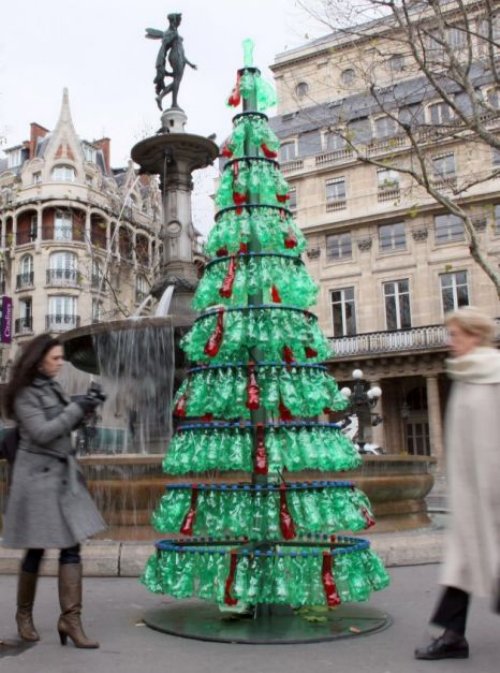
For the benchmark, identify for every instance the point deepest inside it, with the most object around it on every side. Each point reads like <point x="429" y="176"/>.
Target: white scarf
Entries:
<point x="482" y="365"/>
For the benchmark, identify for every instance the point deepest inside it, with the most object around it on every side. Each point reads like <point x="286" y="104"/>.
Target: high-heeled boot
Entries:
<point x="26" y="589"/>
<point x="70" y="598"/>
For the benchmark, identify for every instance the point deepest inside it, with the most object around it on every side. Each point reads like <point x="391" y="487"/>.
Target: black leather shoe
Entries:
<point x="444" y="648"/>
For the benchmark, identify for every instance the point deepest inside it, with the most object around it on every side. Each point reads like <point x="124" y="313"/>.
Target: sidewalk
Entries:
<point x="113" y="609"/>
<point x="107" y="558"/>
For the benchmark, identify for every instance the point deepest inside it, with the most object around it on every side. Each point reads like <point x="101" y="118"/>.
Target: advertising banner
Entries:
<point x="6" y="320"/>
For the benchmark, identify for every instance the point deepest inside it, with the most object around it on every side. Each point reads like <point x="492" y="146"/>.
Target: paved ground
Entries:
<point x="114" y="608"/>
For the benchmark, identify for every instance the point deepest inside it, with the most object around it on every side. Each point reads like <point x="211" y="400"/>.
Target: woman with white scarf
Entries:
<point x="472" y="442"/>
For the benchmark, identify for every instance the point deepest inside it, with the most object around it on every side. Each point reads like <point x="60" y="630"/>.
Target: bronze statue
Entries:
<point x="171" y="44"/>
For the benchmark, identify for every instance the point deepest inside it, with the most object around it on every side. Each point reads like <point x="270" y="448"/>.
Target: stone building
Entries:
<point x="79" y="240"/>
<point x="389" y="260"/>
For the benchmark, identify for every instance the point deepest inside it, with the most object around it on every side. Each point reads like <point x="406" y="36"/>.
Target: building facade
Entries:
<point x="79" y="241"/>
<point x="390" y="261"/>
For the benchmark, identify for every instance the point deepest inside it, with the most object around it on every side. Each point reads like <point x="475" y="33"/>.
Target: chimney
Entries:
<point x="104" y="145"/>
<point x="36" y="131"/>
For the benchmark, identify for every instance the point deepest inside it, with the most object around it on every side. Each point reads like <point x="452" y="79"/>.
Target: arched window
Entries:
<point x="348" y="76"/>
<point x="302" y="89"/>
<point x="97" y="275"/>
<point x="25" y="277"/>
<point x="141" y="288"/>
<point x="63" y="268"/>
<point x="63" y="173"/>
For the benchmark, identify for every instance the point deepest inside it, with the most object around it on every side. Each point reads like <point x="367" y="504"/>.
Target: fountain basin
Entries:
<point x="127" y="489"/>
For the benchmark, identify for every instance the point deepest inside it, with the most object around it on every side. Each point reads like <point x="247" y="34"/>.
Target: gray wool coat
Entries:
<point x="49" y="505"/>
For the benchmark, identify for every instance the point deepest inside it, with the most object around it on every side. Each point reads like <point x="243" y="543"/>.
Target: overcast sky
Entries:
<point x="97" y="49"/>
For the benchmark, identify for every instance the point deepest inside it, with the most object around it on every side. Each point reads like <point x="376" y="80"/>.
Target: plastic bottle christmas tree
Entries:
<point x="251" y="404"/>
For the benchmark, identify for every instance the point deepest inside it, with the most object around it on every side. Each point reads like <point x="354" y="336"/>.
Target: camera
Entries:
<point x="96" y="393"/>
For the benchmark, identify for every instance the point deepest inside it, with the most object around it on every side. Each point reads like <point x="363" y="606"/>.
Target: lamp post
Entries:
<point x="363" y="398"/>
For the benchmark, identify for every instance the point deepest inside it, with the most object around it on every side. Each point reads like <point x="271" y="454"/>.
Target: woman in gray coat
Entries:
<point x="49" y="505"/>
<point x="472" y="554"/>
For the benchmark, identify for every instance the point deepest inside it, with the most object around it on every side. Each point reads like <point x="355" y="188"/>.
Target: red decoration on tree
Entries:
<point x="290" y="240"/>
<point x="332" y="597"/>
<point x="214" y="342"/>
<point x="285" y="413"/>
<point x="270" y="154"/>
<point x="226" y="289"/>
<point x="207" y="418"/>
<point x="235" y="96"/>
<point x="243" y="248"/>
<point x="226" y="151"/>
<point x="327" y="410"/>
<point x="180" y="407"/>
<point x="221" y="252"/>
<point x="260" y="451"/>
<point x="286" y="522"/>
<point x="288" y="355"/>
<point x="253" y="391"/>
<point x="275" y="295"/>
<point x="239" y="199"/>
<point x="370" y="521"/>
<point x="282" y="198"/>
<point x="228" y="599"/>
<point x="188" y="523"/>
<point x="310" y="352"/>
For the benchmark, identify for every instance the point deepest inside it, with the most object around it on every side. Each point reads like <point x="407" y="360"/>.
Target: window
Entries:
<point x="448" y="228"/>
<point x="388" y="179"/>
<point x="397" y="62"/>
<point x="15" y="158"/>
<point x="302" y="89"/>
<point x="385" y="127"/>
<point x="97" y="275"/>
<point x="417" y="438"/>
<point x="63" y="173"/>
<point x="62" y="313"/>
<point x="454" y="290"/>
<point x="392" y="237"/>
<point x="89" y="153"/>
<point x="493" y="98"/>
<point x="334" y="142"/>
<point x="292" y="199"/>
<point x="25" y="276"/>
<point x="347" y="76"/>
<point x="25" y="322"/>
<point x="456" y="37"/>
<point x="444" y="167"/>
<point x="343" y="311"/>
<point x="495" y="157"/>
<point x="339" y="246"/>
<point x="440" y="113"/>
<point x="63" y="226"/>
<point x="397" y="304"/>
<point x="63" y="268"/>
<point x="141" y="289"/>
<point x="335" y="194"/>
<point x="37" y="178"/>
<point x="288" y="151"/>
<point x="96" y="310"/>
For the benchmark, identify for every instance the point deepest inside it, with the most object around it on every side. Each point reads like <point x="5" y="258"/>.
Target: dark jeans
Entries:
<point x="33" y="557"/>
<point x="451" y="611"/>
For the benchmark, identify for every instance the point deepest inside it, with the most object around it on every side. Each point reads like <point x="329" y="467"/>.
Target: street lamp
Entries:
<point x="363" y="398"/>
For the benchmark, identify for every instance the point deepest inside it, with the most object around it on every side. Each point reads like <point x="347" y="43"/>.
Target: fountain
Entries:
<point x="140" y="363"/>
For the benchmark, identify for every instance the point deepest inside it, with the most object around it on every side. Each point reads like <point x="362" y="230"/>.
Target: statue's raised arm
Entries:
<point x="173" y="49"/>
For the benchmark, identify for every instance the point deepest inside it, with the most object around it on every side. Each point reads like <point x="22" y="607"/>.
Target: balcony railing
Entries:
<point x="24" y="280"/>
<point x="388" y="193"/>
<point x="414" y="339"/>
<point x="62" y="277"/>
<point x="418" y="338"/>
<point x="23" y="325"/>
<point x="60" y="322"/>
<point x="336" y="204"/>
